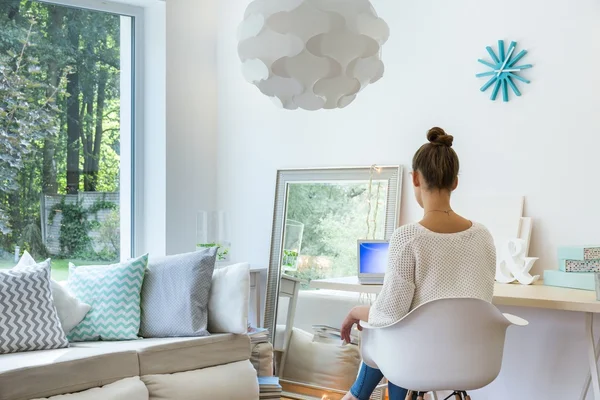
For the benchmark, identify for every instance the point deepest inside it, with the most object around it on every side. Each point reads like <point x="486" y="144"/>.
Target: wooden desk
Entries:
<point x="516" y="295"/>
<point x="536" y="296"/>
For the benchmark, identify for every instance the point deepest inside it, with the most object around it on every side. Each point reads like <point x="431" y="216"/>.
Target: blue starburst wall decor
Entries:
<point x="504" y="71"/>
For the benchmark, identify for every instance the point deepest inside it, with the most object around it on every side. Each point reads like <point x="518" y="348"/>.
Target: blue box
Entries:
<point x="579" y="253"/>
<point x="582" y="280"/>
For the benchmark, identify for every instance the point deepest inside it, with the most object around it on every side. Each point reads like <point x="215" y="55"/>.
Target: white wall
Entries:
<point x="191" y="118"/>
<point x="542" y="145"/>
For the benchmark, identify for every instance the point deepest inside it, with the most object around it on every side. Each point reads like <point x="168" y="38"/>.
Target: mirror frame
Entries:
<point x="393" y="174"/>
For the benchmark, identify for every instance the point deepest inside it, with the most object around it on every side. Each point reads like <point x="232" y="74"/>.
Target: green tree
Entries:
<point x="59" y="108"/>
<point x="335" y="216"/>
<point x="27" y="115"/>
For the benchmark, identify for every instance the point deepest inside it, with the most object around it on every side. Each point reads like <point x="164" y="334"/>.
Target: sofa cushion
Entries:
<point x="170" y="355"/>
<point x="262" y="358"/>
<point x="175" y="295"/>
<point x="235" y="381"/>
<point x="28" y="318"/>
<point x="125" y="389"/>
<point x="113" y="291"/>
<point x="24" y="376"/>
<point x="229" y="298"/>
<point x="70" y="310"/>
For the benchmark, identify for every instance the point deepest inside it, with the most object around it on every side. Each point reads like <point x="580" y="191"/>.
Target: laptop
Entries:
<point x="372" y="261"/>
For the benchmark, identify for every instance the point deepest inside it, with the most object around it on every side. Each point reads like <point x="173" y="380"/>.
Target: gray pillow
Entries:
<point x="28" y="318"/>
<point x="175" y="295"/>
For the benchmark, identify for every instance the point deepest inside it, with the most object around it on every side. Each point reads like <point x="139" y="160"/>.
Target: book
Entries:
<point x="258" y="335"/>
<point x="252" y="331"/>
<point x="579" y="253"/>
<point x="269" y="384"/>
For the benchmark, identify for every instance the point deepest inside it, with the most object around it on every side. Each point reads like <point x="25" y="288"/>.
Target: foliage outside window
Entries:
<point x="335" y="215"/>
<point x="59" y="133"/>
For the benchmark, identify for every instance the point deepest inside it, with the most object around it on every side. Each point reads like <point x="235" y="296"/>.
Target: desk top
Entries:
<point x="536" y="296"/>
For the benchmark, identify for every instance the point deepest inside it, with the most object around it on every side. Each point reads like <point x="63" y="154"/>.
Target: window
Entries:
<point x="66" y="134"/>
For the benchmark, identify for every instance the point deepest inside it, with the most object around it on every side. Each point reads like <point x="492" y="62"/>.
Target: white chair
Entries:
<point x="448" y="344"/>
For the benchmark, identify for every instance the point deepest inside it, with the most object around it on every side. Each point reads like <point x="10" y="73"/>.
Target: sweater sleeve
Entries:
<point x="398" y="289"/>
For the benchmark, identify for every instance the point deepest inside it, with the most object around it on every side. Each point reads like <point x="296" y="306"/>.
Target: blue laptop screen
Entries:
<point x="373" y="257"/>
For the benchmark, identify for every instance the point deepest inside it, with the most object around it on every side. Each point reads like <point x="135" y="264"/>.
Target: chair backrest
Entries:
<point x="448" y="344"/>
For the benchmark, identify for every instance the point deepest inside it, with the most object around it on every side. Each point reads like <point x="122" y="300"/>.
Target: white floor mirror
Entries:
<point x="319" y="217"/>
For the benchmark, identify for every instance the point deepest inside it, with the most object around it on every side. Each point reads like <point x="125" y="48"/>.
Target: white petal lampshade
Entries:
<point x="312" y="54"/>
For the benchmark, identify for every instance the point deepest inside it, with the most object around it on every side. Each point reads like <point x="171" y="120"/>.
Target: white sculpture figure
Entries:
<point x="513" y="265"/>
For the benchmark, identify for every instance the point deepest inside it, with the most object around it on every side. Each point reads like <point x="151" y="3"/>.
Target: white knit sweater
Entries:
<point x="425" y="266"/>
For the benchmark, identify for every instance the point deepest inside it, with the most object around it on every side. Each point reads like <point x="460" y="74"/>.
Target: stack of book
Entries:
<point x="269" y="387"/>
<point x="577" y="267"/>
<point x="258" y="335"/>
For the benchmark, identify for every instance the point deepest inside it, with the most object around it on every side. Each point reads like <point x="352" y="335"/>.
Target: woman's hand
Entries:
<point x="354" y="317"/>
<point x="347" y="325"/>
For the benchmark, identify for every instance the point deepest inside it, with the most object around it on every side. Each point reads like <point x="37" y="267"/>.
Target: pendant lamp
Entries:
<point x="311" y="54"/>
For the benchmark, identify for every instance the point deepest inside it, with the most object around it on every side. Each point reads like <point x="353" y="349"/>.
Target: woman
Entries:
<point x="442" y="256"/>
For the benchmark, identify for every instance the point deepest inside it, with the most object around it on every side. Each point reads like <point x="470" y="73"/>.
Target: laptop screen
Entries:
<point x="372" y="257"/>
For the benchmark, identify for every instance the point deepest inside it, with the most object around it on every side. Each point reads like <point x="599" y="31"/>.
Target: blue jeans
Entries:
<point x="368" y="379"/>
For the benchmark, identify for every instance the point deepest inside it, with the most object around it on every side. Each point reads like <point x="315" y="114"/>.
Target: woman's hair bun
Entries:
<point x="438" y="137"/>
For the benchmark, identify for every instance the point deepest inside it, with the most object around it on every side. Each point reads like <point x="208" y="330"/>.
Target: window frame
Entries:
<point x="132" y="195"/>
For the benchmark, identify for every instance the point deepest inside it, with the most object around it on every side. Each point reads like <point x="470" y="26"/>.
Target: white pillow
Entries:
<point x="229" y="299"/>
<point x="125" y="389"/>
<point x="25" y="261"/>
<point x="70" y="310"/>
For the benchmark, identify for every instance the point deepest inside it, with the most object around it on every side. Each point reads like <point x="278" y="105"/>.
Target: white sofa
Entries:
<point x="217" y="366"/>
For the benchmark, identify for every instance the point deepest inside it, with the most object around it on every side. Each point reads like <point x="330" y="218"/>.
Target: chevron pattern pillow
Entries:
<point x="113" y="291"/>
<point x="27" y="314"/>
<point x="70" y="310"/>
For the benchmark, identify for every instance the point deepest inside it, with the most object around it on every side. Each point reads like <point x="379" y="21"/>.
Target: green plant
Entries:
<point x="100" y="205"/>
<point x="76" y="226"/>
<point x="222" y="253"/>
<point x="289" y="258"/>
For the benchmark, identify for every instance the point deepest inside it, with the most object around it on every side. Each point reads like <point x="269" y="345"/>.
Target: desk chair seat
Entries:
<point x="448" y="344"/>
